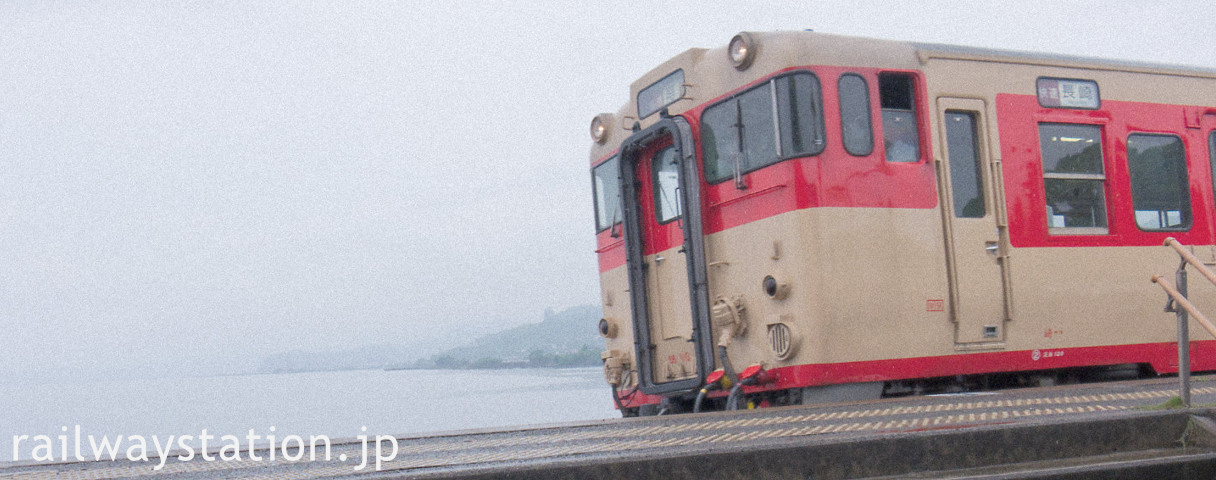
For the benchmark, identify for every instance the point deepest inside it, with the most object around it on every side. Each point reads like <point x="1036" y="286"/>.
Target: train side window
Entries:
<point x="856" y="128"/>
<point x="607" y="185"/>
<point x="1074" y="178"/>
<point x="665" y="176"/>
<point x="901" y="141"/>
<point x="966" y="184"/>
<point x="1160" y="189"/>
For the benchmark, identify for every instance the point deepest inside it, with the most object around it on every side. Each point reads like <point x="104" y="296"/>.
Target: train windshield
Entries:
<point x="739" y="135"/>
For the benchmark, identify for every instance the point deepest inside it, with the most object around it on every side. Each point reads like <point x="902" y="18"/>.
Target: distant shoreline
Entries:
<point x="504" y="366"/>
<point x="584" y="357"/>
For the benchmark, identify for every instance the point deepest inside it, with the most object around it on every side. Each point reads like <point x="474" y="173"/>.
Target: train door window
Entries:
<point x="1160" y="189"/>
<point x="665" y="173"/>
<point x="965" y="181"/>
<point x="1074" y="178"/>
<point x="901" y="141"/>
<point x="856" y="129"/>
<point x="607" y="185"/>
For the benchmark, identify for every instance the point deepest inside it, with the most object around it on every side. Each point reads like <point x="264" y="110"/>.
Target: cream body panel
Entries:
<point x="1094" y="296"/>
<point x="614" y="295"/>
<point x="670" y="316"/>
<point x="859" y="283"/>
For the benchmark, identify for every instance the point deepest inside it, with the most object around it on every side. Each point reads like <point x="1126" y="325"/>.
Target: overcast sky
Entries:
<point x="201" y="183"/>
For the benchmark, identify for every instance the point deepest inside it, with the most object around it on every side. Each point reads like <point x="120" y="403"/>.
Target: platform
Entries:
<point x="1054" y="432"/>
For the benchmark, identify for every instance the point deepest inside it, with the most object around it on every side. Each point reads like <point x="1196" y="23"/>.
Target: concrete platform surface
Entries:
<point x="1075" y="431"/>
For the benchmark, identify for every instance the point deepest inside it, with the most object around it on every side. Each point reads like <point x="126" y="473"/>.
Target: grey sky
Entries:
<point x="200" y="183"/>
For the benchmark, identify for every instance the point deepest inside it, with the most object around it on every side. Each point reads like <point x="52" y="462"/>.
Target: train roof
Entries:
<point x="935" y="50"/>
<point x="709" y="73"/>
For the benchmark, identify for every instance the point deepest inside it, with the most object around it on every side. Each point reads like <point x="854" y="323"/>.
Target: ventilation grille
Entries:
<point x="780" y="340"/>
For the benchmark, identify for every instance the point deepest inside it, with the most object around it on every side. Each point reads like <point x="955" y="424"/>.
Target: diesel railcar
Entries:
<point x="802" y="217"/>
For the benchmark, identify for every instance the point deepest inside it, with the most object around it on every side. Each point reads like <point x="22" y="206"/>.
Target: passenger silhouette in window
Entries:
<point x="899" y="136"/>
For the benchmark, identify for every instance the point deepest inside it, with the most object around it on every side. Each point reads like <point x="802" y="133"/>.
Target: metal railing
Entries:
<point x="1181" y="307"/>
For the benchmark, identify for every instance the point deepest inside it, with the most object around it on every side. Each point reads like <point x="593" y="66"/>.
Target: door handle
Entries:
<point x="991" y="247"/>
<point x="658" y="259"/>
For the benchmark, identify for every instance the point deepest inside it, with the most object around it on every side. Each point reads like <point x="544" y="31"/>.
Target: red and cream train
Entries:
<point x="801" y="217"/>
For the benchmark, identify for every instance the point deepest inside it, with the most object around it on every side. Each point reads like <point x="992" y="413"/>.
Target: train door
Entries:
<point x="663" y="253"/>
<point x="666" y="265"/>
<point x="969" y="183"/>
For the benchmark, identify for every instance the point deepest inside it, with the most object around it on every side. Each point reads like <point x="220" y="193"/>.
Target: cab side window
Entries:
<point x="856" y="130"/>
<point x="901" y="138"/>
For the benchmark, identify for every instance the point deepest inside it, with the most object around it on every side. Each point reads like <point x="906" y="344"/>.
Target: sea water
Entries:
<point x="336" y="404"/>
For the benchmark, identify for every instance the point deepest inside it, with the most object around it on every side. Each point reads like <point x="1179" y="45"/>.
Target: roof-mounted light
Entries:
<point x="599" y="127"/>
<point x="742" y="51"/>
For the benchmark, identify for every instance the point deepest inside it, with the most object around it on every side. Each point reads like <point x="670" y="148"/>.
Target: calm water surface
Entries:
<point x="337" y="404"/>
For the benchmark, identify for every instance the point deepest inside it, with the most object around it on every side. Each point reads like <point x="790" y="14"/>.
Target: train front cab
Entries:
<point x="940" y="220"/>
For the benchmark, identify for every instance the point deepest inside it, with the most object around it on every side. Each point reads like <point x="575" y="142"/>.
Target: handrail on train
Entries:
<point x="1179" y="304"/>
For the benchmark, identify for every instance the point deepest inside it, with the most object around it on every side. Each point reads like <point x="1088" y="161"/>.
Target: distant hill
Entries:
<point x="363" y="357"/>
<point x="563" y="339"/>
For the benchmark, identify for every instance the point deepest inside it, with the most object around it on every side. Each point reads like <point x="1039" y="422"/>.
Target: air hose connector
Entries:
<point x="713" y="381"/>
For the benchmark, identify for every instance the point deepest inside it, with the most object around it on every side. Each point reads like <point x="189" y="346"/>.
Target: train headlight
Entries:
<point x="742" y="50"/>
<point x="599" y="127"/>
<point x="607" y="328"/>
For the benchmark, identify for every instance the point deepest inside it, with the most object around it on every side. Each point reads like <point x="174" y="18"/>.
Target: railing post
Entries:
<point x="1184" y="343"/>
<point x="1182" y="307"/>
